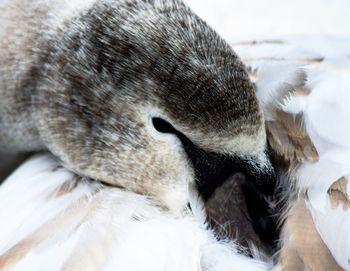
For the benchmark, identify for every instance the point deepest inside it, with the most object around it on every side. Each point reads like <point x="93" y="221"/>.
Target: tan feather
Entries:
<point x="338" y="193"/>
<point x="303" y="248"/>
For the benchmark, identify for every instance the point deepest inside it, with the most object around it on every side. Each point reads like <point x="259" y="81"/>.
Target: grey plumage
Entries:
<point x="85" y="82"/>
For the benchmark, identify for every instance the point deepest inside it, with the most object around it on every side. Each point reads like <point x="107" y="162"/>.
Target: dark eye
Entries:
<point x="163" y="126"/>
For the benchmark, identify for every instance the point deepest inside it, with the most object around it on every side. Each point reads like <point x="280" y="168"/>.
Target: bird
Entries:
<point x="54" y="219"/>
<point x="304" y="92"/>
<point x="142" y="95"/>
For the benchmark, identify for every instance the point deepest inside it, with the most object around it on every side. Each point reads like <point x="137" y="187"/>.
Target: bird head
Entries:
<point x="152" y="102"/>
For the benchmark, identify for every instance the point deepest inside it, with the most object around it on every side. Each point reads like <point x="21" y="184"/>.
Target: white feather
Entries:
<point x="326" y="114"/>
<point x="92" y="227"/>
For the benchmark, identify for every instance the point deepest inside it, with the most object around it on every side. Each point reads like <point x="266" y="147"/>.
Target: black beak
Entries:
<point x="261" y="175"/>
<point x="213" y="169"/>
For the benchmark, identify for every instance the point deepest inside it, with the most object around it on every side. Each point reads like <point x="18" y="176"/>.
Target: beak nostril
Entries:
<point x="163" y="126"/>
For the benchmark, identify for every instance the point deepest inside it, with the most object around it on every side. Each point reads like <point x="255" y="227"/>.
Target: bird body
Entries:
<point x="53" y="219"/>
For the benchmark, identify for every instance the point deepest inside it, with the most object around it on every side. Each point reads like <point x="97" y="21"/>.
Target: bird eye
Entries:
<point x="163" y="126"/>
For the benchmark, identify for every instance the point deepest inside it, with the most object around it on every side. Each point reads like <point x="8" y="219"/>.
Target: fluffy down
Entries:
<point x="58" y="221"/>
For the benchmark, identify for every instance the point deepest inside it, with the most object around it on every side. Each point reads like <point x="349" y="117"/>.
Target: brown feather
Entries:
<point x="289" y="138"/>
